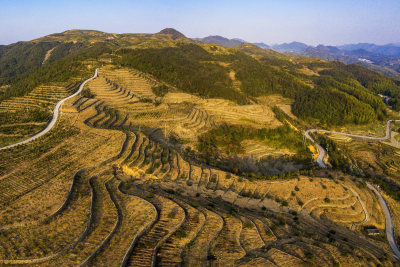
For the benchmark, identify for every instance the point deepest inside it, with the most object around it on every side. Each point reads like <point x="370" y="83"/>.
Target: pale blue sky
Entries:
<point x="270" y="21"/>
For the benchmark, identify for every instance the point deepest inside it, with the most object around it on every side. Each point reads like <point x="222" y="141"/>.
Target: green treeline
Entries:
<point x="186" y="67"/>
<point x="352" y="88"/>
<point x="57" y="70"/>
<point x="330" y="102"/>
<point x="258" y="79"/>
<point x="372" y="81"/>
<point x="21" y="57"/>
<point x="332" y="107"/>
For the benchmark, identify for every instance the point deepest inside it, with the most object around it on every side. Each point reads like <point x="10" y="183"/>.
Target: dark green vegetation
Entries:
<point x="161" y="90"/>
<point x="337" y="157"/>
<point x="22" y="67"/>
<point x="258" y="78"/>
<point x="87" y="93"/>
<point x="185" y="67"/>
<point x="332" y="107"/>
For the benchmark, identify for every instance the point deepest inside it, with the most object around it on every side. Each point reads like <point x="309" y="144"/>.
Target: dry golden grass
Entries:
<point x="314" y="151"/>
<point x="319" y="196"/>
<point x="227" y="248"/>
<point x="189" y="188"/>
<point x="257" y="262"/>
<point x="283" y="189"/>
<point x="52" y="236"/>
<point x="137" y="213"/>
<point x="172" y="250"/>
<point x="42" y="97"/>
<point x="281" y="258"/>
<point x="235" y="83"/>
<point x="370" y="200"/>
<point x="105" y="218"/>
<point x="340" y="138"/>
<point x="225" y="111"/>
<point x="308" y="72"/>
<point x="36" y="205"/>
<point x="265" y="233"/>
<point x="258" y="150"/>
<point x="175" y="113"/>
<point x="250" y="237"/>
<point x="198" y="251"/>
<point x="48" y="54"/>
<point x="171" y="217"/>
<point x="111" y="97"/>
<point x="132" y="80"/>
<point x="395" y="211"/>
<point x="221" y="50"/>
<point x="179" y="98"/>
<point x="348" y="259"/>
<point x="310" y="190"/>
<point x="56" y="169"/>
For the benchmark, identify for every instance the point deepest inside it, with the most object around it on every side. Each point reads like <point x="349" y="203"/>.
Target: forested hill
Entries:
<point x="324" y="92"/>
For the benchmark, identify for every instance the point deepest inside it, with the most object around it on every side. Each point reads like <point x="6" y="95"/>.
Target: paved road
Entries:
<point x="56" y="115"/>
<point x="322" y="152"/>
<point x="385" y="208"/>
<point x="389" y="221"/>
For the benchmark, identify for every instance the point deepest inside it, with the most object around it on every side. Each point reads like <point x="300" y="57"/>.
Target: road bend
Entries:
<point x="56" y="114"/>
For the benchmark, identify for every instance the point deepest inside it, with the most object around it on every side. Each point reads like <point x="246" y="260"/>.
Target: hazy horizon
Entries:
<point x="271" y="22"/>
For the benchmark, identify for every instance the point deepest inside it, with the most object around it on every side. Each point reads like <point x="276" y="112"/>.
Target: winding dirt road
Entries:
<point x="56" y="115"/>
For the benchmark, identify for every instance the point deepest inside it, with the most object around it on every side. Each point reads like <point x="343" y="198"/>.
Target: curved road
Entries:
<point x="385" y="208"/>
<point x="56" y="115"/>
<point x="322" y="152"/>
<point x="389" y="221"/>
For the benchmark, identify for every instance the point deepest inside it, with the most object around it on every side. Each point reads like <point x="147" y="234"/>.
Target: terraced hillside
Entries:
<point x="111" y="186"/>
<point x="27" y="115"/>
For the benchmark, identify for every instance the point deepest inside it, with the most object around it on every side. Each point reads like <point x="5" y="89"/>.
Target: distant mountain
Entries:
<point x="219" y="40"/>
<point x="330" y="53"/>
<point x="388" y="65"/>
<point x="239" y="40"/>
<point x="262" y="45"/>
<point x="294" y="47"/>
<point x="381" y="58"/>
<point x="387" y="50"/>
<point x="174" y="34"/>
